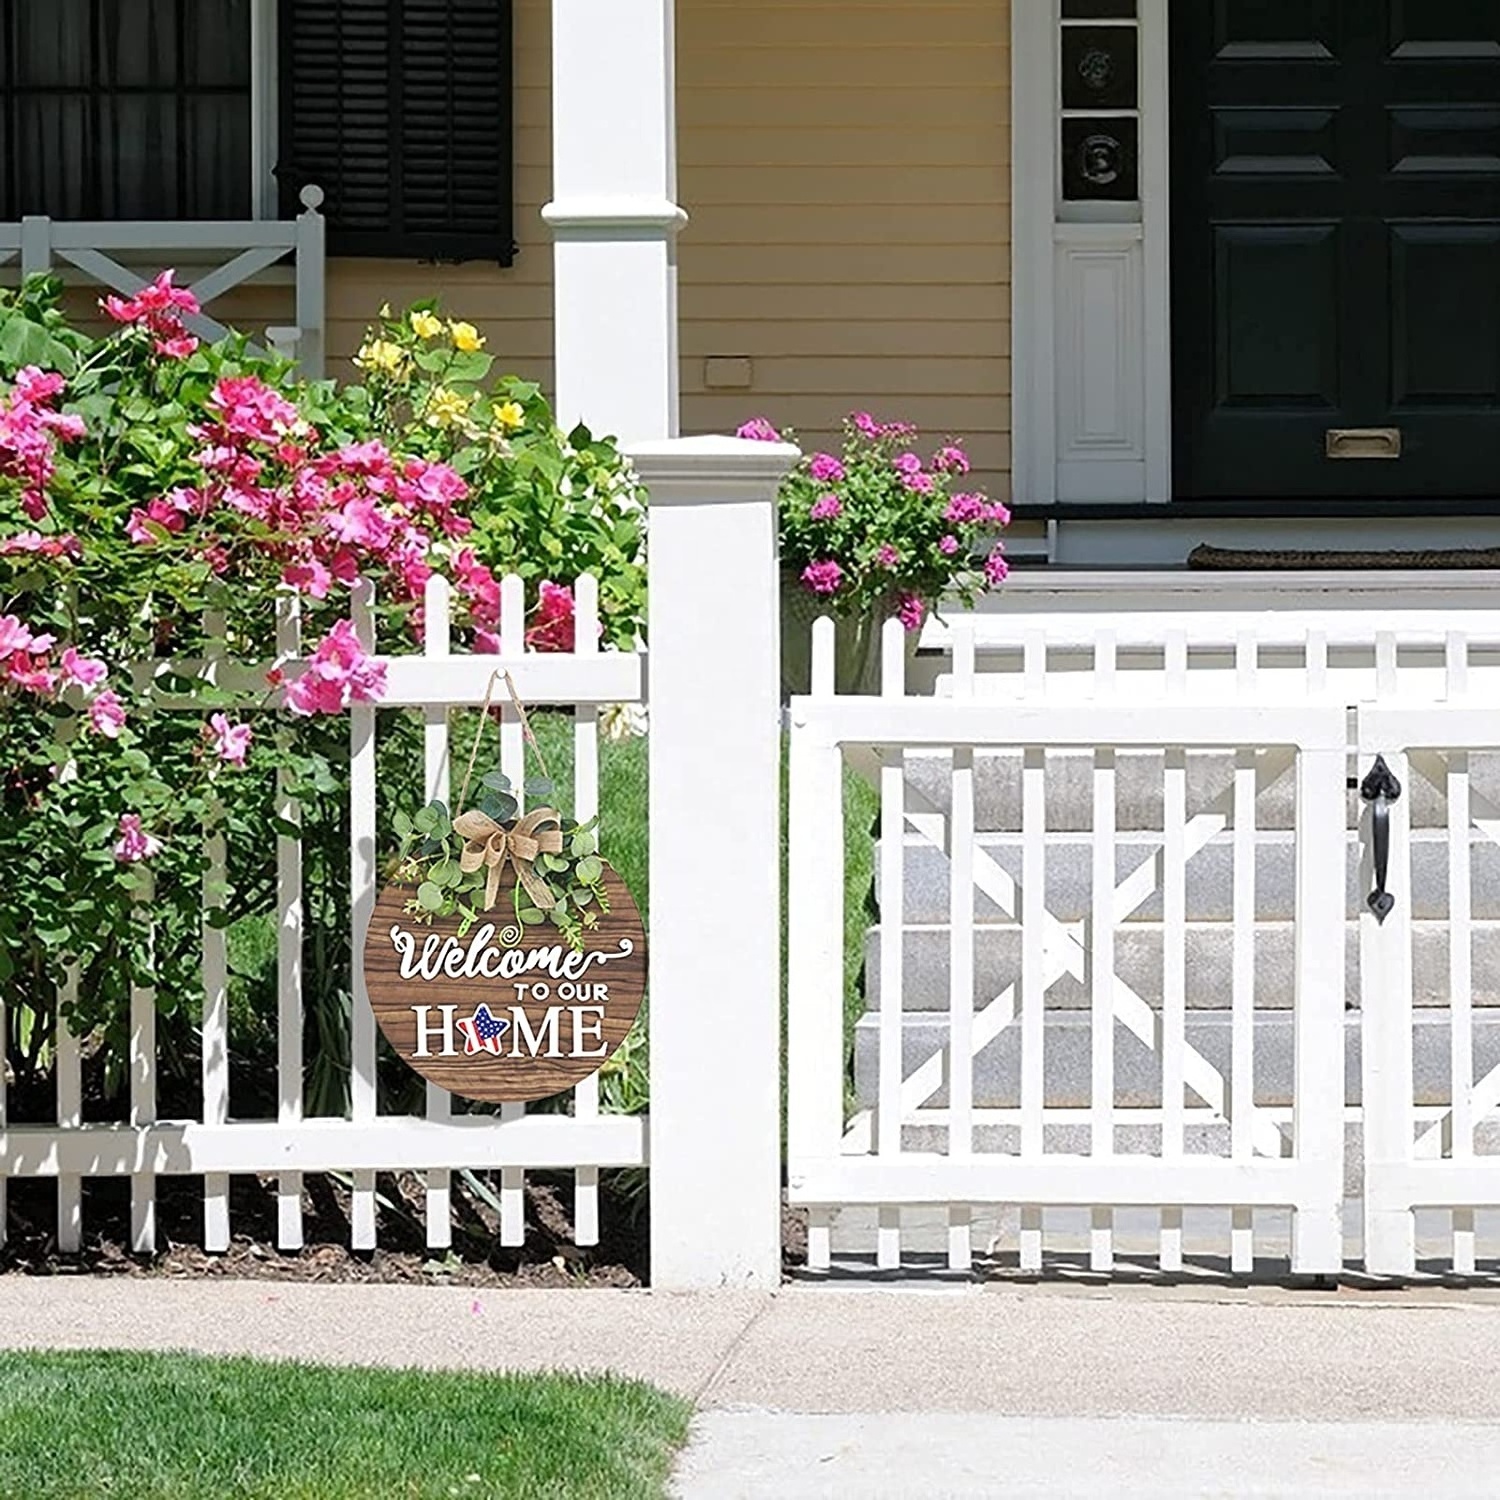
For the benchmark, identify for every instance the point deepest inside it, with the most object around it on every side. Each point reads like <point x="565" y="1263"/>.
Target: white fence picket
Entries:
<point x="214" y="1032"/>
<point x="69" y="1075"/>
<point x="513" y="764"/>
<point x="961" y="965"/>
<point x="289" y="912"/>
<point x="892" y="946"/>
<point x="363" y="1078"/>
<point x="437" y="638"/>
<point x="142" y="1076"/>
<point x="586" y="806"/>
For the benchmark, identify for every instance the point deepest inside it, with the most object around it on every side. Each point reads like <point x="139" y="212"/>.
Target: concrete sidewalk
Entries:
<point x="1149" y="1384"/>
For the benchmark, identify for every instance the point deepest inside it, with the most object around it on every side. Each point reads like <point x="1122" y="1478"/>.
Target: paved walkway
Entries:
<point x="821" y="1391"/>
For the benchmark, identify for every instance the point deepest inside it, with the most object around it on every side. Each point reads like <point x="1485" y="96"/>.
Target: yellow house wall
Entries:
<point x="846" y="169"/>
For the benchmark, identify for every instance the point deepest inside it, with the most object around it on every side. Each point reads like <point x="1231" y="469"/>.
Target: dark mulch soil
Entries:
<point x="549" y="1258"/>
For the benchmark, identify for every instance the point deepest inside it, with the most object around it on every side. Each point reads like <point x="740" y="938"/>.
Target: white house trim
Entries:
<point x="1091" y="284"/>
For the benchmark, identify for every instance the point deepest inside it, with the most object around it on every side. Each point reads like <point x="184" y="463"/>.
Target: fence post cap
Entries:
<point x="705" y="469"/>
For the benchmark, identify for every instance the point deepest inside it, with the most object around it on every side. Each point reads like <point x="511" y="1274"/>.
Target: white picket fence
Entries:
<point x="714" y="779"/>
<point x="583" y="1141"/>
<point x="1211" y="735"/>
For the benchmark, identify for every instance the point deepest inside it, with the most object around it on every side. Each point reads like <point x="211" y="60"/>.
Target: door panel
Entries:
<point x="1336" y="245"/>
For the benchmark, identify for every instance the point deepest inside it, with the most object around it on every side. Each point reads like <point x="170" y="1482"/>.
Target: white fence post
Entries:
<point x="715" y="694"/>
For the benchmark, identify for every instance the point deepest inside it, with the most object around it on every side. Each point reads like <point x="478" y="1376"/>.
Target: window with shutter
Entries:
<point x="125" y="109"/>
<point x="400" y="110"/>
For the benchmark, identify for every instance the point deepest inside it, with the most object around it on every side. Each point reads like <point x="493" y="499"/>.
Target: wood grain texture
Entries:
<point x="507" y="1078"/>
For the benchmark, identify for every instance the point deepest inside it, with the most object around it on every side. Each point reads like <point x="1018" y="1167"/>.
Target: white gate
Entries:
<point x="1428" y="1095"/>
<point x="1172" y="1119"/>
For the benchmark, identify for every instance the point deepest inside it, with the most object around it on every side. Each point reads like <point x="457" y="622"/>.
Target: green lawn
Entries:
<point x="75" y="1426"/>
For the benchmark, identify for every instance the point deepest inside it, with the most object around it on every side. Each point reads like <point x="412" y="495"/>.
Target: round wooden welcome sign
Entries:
<point x="499" y="1011"/>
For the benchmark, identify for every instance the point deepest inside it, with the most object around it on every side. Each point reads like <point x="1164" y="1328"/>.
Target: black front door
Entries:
<point x="1336" y="248"/>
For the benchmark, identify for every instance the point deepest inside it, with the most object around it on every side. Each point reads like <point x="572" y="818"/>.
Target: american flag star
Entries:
<point x="483" y="1033"/>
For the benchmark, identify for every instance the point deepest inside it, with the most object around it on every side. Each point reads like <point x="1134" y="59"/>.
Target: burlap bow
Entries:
<point x="489" y="844"/>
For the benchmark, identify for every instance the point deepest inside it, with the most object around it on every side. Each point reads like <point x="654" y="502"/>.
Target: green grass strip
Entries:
<point x="81" y="1425"/>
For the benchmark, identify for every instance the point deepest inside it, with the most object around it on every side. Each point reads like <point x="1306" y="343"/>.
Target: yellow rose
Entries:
<point x="510" y="415"/>
<point x="465" y="337"/>
<point x="425" y="325"/>
<point x="382" y="355"/>
<point x="445" y="407"/>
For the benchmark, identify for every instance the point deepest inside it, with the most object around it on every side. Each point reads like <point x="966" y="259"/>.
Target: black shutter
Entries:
<point x="400" y="110"/>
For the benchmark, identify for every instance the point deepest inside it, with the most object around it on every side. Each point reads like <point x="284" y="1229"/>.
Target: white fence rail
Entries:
<point x="218" y="1146"/>
<point x="112" y="254"/>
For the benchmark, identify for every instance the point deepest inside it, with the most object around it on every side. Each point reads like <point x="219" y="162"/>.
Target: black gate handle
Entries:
<point x="1382" y="789"/>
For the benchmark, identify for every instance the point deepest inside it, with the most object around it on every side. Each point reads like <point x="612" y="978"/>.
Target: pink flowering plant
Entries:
<point x="546" y="505"/>
<point x="161" y="498"/>
<point x="884" y="527"/>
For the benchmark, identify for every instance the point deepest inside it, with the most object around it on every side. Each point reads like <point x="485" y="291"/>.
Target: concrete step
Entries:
<point x="1139" y="780"/>
<point x="1210" y="876"/>
<point x="1067" y="1058"/>
<point x="1138" y="961"/>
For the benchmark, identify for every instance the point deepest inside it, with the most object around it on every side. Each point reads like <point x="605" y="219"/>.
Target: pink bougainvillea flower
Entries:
<point x="66" y="545"/>
<point x="167" y="512"/>
<point x="338" y="673"/>
<point x="363" y="523"/>
<point x="134" y="843"/>
<point x="948" y="546"/>
<point x="553" y="626"/>
<point x="29" y="673"/>
<point x="81" y="671"/>
<point x="231" y="742"/>
<point x="912" y="612"/>
<point x="823" y="577"/>
<point x="758" y="430"/>
<point x="158" y="305"/>
<point x="14" y="636"/>
<point x="907" y="463"/>
<point x="107" y="714"/>
<point x="825" y="468"/>
<point x="866" y="424"/>
<point x="827" y="508"/>
<point x="919" y="484"/>
<point x="886" y="556"/>
<point x="181" y="346"/>
<point x="998" y="514"/>
<point x="309" y="576"/>
<point x="951" y="460"/>
<point x="29" y="433"/>
<point x="964" y="510"/>
<point x="996" y="569"/>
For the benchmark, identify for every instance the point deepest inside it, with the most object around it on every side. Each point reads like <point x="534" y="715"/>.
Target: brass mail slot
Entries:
<point x="1364" y="442"/>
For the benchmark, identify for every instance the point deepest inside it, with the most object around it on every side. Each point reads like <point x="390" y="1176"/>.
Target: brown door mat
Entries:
<point x="1233" y="560"/>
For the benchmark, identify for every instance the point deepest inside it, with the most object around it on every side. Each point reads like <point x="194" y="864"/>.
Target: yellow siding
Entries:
<point x="846" y="169"/>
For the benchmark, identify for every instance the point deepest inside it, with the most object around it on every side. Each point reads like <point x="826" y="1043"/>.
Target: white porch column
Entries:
<point x="715" y="983"/>
<point x="614" y="216"/>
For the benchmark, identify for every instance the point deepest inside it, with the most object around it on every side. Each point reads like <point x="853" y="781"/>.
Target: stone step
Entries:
<point x="1067" y="1064"/>
<point x="1210" y="876"/>
<point x="1138" y="961"/>
<point x="1139" y="781"/>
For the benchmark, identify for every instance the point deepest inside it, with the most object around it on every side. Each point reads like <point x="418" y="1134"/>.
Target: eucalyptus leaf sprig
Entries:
<point x="430" y="860"/>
